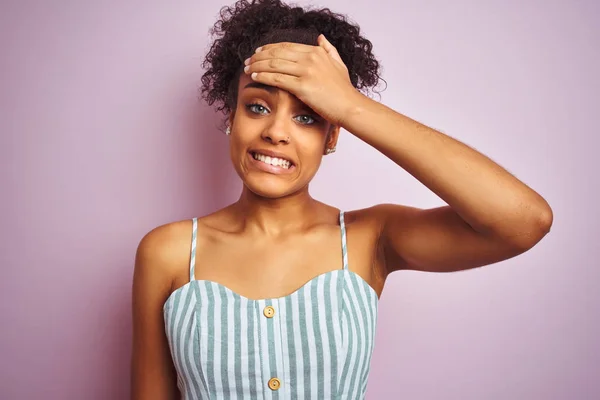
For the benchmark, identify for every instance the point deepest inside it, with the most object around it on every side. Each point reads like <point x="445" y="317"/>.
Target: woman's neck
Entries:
<point x="274" y="217"/>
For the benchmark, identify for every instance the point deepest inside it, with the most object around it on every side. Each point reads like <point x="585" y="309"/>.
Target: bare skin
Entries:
<point x="276" y="237"/>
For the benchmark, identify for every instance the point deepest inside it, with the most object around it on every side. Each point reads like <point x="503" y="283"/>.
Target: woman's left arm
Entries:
<point x="491" y="215"/>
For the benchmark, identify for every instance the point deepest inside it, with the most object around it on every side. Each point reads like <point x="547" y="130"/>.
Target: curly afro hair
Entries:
<point x="249" y="24"/>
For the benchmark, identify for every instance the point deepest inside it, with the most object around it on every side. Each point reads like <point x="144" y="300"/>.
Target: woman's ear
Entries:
<point x="229" y="123"/>
<point x="332" y="139"/>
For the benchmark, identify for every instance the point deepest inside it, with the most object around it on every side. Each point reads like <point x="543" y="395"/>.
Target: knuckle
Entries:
<point x="278" y="78"/>
<point x="273" y="63"/>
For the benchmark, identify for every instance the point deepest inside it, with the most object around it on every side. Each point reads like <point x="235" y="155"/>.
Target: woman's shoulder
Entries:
<point x="171" y="241"/>
<point x="164" y="248"/>
<point x="377" y="214"/>
<point x="163" y="253"/>
<point x="370" y="221"/>
<point x="166" y="240"/>
<point x="368" y="217"/>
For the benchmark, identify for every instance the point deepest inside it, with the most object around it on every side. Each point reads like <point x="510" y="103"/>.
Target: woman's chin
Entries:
<point x="271" y="190"/>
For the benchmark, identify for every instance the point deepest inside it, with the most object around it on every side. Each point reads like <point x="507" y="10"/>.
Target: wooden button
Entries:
<point x="269" y="311"/>
<point x="274" y="383"/>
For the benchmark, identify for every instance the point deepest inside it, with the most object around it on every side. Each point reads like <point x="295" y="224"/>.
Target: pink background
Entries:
<point x="102" y="139"/>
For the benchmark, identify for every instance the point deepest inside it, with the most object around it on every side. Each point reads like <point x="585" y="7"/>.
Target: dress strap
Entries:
<point x="193" y="251"/>
<point x="344" y="246"/>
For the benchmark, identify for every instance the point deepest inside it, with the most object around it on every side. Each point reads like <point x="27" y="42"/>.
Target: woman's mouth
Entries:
<point x="270" y="163"/>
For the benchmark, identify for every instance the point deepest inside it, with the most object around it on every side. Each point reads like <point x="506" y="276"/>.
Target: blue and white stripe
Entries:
<point x="318" y="343"/>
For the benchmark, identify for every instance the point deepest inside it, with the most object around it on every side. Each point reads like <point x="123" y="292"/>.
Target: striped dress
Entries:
<point x="315" y="343"/>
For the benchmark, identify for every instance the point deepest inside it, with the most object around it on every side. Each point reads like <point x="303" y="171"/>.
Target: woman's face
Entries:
<point x="276" y="141"/>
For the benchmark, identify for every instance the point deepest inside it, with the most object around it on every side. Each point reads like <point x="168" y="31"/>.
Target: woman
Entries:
<point x="275" y="296"/>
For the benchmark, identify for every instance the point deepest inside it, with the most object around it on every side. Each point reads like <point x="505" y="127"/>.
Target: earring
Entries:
<point x="330" y="150"/>
<point x="228" y="131"/>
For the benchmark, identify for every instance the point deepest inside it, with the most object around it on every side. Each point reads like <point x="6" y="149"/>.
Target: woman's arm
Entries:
<point x="152" y="371"/>
<point x="491" y="215"/>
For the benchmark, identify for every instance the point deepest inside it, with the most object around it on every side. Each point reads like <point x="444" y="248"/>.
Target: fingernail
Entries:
<point x="259" y="50"/>
<point x="247" y="68"/>
<point x="253" y="75"/>
<point x="247" y="61"/>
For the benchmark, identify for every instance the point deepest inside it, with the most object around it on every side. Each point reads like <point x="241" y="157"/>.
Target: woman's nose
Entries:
<point x="276" y="133"/>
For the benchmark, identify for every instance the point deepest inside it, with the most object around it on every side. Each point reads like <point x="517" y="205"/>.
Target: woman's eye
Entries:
<point x="306" y="119"/>
<point x="257" y="108"/>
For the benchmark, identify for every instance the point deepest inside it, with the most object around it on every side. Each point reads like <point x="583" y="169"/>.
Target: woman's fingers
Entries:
<point x="276" y="65"/>
<point x="285" y="82"/>
<point x="331" y="50"/>
<point x="281" y="53"/>
<point x="302" y="48"/>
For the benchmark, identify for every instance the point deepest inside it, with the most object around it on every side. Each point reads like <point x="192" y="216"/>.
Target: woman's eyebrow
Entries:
<point x="257" y="85"/>
<point x="273" y="89"/>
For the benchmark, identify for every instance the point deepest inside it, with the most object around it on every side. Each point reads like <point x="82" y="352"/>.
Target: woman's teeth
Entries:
<point x="278" y="162"/>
